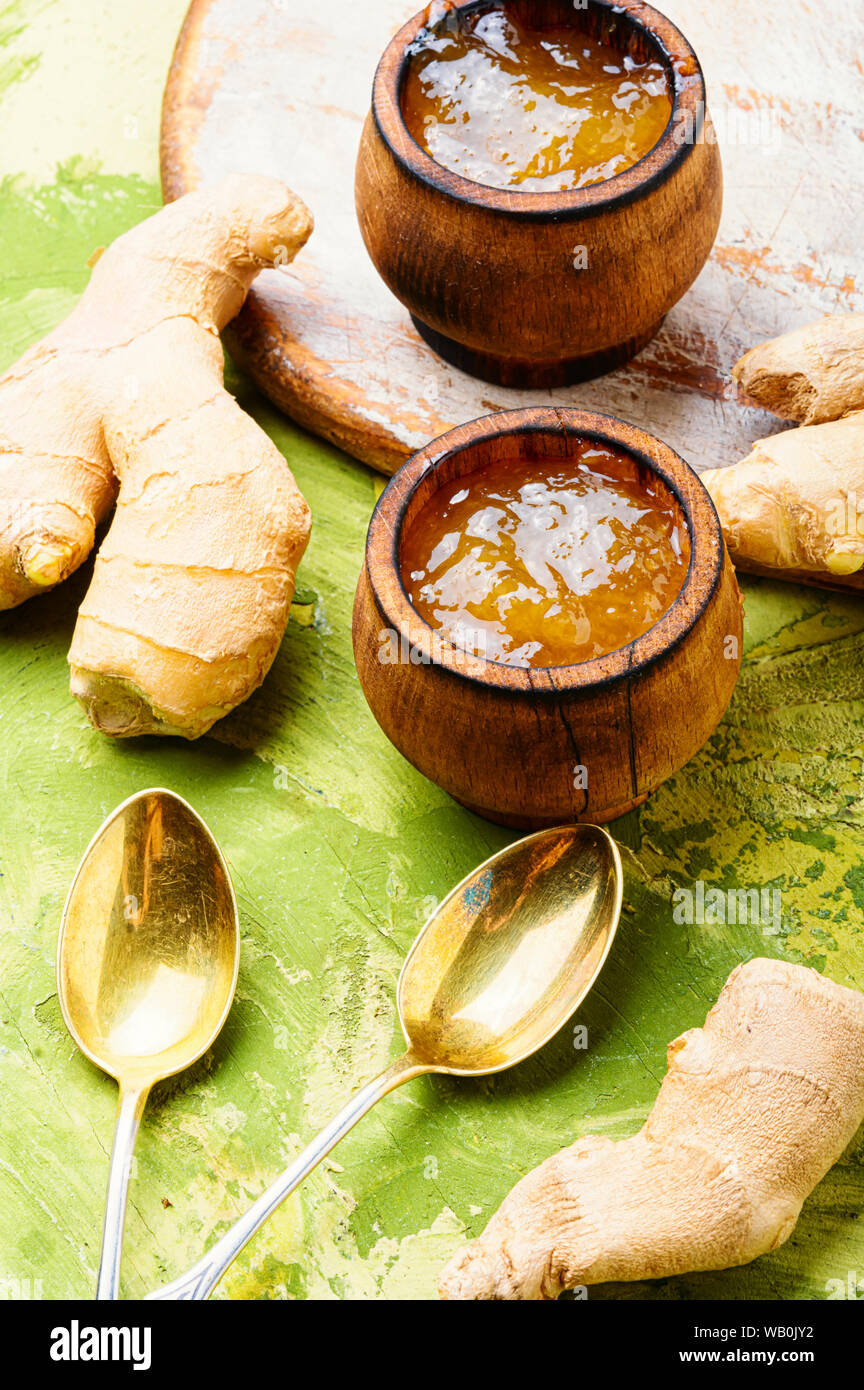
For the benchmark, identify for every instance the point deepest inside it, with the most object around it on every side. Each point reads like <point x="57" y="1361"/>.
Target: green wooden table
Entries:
<point x="339" y="850"/>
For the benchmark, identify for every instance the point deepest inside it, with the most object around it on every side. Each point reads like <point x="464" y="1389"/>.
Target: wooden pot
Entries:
<point x="519" y="745"/>
<point x="543" y="289"/>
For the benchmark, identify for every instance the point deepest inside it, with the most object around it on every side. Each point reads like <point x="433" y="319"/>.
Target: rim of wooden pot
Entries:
<point x="427" y="646"/>
<point x="687" y="90"/>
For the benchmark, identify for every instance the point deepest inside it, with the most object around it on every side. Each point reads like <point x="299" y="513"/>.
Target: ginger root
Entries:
<point x="810" y="375"/>
<point x="193" y="584"/>
<point x="794" y="508"/>
<point x="754" y="1109"/>
<point x="791" y="509"/>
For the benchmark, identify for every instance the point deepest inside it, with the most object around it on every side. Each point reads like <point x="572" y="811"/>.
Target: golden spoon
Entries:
<point x="146" y="966"/>
<point x="498" y="968"/>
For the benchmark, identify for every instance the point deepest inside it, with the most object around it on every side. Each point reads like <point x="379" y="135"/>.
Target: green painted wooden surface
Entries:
<point x="339" y="849"/>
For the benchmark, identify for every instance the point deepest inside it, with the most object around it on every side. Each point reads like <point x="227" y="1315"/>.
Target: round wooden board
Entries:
<point x="279" y="87"/>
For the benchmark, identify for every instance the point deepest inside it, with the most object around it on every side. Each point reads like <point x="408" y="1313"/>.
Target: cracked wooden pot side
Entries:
<point x="515" y="744"/>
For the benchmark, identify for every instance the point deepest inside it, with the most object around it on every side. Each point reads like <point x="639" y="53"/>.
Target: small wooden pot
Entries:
<point x="543" y="289"/>
<point x="531" y="748"/>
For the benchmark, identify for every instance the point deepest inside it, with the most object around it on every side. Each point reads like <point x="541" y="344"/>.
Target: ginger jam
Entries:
<point x="540" y="110"/>
<point x="549" y="562"/>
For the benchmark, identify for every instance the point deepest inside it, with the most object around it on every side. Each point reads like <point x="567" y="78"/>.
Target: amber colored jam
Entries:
<point x="547" y="563"/>
<point x="540" y="110"/>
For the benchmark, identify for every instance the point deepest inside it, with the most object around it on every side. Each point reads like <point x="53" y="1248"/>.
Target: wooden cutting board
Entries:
<point x="282" y="88"/>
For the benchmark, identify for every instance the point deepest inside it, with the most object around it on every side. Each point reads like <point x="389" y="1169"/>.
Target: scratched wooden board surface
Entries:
<point x="284" y="89"/>
<point x="339" y="848"/>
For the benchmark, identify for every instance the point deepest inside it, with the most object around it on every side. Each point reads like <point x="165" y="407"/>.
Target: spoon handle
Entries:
<point x="130" y="1108"/>
<point x="198" y="1282"/>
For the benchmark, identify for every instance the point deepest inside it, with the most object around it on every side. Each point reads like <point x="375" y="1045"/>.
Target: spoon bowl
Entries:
<point x="146" y="965"/>
<point x="502" y="963"/>
<point x="512" y="951"/>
